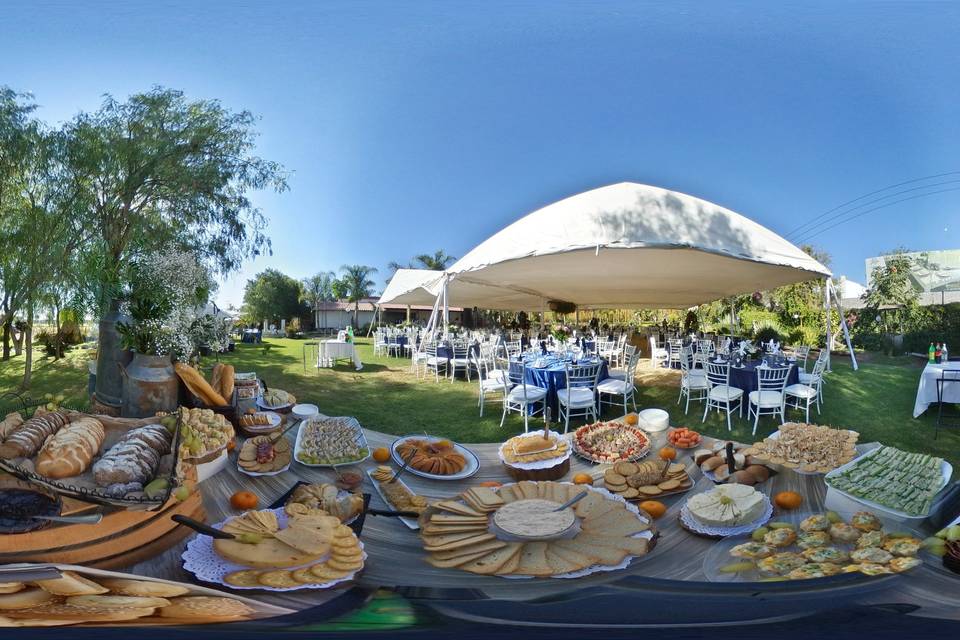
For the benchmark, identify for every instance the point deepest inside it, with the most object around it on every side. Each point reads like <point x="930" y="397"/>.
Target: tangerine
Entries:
<point x="632" y="419"/>
<point x="244" y="500"/>
<point x="491" y="484"/>
<point x="381" y="454"/>
<point x="654" y="507"/>
<point x="667" y="453"/>
<point x="583" y="478"/>
<point x="788" y="500"/>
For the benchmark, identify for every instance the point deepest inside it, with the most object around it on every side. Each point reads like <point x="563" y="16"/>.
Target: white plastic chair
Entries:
<point x="393" y="346"/>
<point x="617" y="387"/>
<point x="580" y="394"/>
<point x="518" y="395"/>
<point x="621" y="374"/>
<point x="802" y="353"/>
<point x="806" y="393"/>
<point x="675" y="347"/>
<point x="492" y="381"/>
<point x="434" y="362"/>
<point x="769" y="398"/>
<point x="658" y="355"/>
<point x="808" y="378"/>
<point x="693" y="382"/>
<point x="460" y="360"/>
<point x="721" y="395"/>
<point x="379" y="342"/>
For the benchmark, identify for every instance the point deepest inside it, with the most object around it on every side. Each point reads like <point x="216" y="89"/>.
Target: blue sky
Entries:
<point x="413" y="126"/>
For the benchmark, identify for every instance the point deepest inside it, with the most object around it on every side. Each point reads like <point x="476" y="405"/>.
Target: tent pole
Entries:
<point x="543" y="316"/>
<point x="446" y="307"/>
<point x="826" y="306"/>
<point x="732" y="321"/>
<point x="843" y="325"/>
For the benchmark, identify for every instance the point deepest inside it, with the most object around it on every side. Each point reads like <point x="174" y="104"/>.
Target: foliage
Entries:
<point x="164" y="292"/>
<point x="891" y="296"/>
<point x="318" y="288"/>
<point x="691" y="323"/>
<point x="561" y="333"/>
<point x="209" y="330"/>
<point x="766" y="334"/>
<point x="436" y="262"/>
<point x="357" y="285"/>
<point x="293" y="328"/>
<point x="272" y="295"/>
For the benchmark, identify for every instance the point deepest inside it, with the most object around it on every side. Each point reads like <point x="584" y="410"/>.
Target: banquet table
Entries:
<point x="645" y="592"/>
<point x="746" y="377"/>
<point x="927" y="386"/>
<point x="332" y="350"/>
<point x="553" y="377"/>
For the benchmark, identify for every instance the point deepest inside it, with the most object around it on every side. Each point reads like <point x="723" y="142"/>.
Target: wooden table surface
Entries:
<point x="396" y="559"/>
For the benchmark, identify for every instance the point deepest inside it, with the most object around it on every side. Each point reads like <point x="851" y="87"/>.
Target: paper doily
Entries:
<point x="200" y="559"/>
<point x="696" y="526"/>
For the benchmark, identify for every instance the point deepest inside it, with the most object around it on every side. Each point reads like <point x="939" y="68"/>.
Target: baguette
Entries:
<point x="198" y="386"/>
<point x="26" y="439"/>
<point x="226" y="381"/>
<point x="216" y="375"/>
<point x="70" y="451"/>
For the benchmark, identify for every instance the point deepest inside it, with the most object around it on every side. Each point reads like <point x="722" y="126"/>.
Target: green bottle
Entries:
<point x="931" y="353"/>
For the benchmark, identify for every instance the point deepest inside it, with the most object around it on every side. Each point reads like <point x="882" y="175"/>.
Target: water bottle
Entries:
<point x="944" y="356"/>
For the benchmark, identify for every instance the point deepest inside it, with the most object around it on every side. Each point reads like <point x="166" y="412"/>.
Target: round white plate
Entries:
<point x="201" y="560"/>
<point x="471" y="468"/>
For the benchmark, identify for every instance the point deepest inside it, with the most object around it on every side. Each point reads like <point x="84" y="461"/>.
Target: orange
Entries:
<point x="381" y="454"/>
<point x="232" y="444"/>
<point x="667" y="453"/>
<point x="631" y="419"/>
<point x="654" y="507"/>
<point x="244" y="500"/>
<point x="583" y="478"/>
<point x="788" y="500"/>
<point x="492" y="484"/>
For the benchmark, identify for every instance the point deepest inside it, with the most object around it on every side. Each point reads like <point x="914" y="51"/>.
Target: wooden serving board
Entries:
<point x="121" y="539"/>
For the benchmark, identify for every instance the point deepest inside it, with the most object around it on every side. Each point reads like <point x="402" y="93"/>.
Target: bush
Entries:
<point x="766" y="334"/>
<point x="293" y="328"/>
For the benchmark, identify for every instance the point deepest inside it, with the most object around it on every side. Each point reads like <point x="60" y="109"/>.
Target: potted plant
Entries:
<point x="161" y="299"/>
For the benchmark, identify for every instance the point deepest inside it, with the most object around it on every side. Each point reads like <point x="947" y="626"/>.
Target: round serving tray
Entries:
<point x="471" y="468"/>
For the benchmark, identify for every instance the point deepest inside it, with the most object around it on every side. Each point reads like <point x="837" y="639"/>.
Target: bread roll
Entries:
<point x="117" y="602"/>
<point x="9" y="424"/>
<point x="226" y="382"/>
<point x="77" y="614"/>
<point x="70" y="451"/>
<point x="198" y="386"/>
<point x="11" y="587"/>
<point x="135" y="458"/>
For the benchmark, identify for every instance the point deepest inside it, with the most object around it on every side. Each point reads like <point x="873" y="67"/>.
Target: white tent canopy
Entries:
<point x="625" y="245"/>
<point x="408" y="286"/>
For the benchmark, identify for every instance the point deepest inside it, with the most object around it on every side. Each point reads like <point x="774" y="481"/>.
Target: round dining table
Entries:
<point x="552" y="375"/>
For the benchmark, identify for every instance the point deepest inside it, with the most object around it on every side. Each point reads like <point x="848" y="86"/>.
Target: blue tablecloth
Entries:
<point x="401" y="340"/>
<point x="746" y="378"/>
<point x="552" y="378"/>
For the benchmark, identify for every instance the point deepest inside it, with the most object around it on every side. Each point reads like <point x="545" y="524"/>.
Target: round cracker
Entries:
<point x="245" y="578"/>
<point x="630" y="493"/>
<point x="345" y="565"/>
<point x="650" y="490"/>
<point x="328" y="574"/>
<point x="280" y="579"/>
<point x="669" y="485"/>
<point x="613" y="477"/>
<point x="304" y="576"/>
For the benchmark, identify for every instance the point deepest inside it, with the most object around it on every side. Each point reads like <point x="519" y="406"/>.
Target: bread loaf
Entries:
<point x="26" y="439"/>
<point x="198" y="386"/>
<point x="227" y="373"/>
<point x="216" y="375"/>
<point x="71" y="450"/>
<point x="135" y="458"/>
<point x="9" y="424"/>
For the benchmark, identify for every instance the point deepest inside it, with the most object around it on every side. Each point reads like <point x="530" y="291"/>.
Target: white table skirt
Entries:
<point x="332" y="350"/>
<point x="927" y="387"/>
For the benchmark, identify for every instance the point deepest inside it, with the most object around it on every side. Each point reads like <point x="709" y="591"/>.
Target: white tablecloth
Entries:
<point x="927" y="388"/>
<point x="333" y="350"/>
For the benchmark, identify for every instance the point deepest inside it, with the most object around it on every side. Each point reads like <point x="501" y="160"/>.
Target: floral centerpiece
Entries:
<point x="561" y="333"/>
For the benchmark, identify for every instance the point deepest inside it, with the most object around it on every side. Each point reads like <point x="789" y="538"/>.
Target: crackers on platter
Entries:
<point x="647" y="479"/>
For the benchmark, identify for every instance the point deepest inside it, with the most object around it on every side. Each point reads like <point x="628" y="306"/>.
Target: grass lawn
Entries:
<point x="877" y="400"/>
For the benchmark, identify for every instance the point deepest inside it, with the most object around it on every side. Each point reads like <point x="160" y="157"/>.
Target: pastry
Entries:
<point x="531" y="447"/>
<point x="26" y="439"/>
<point x="134" y="458"/>
<point x="326" y="498"/>
<point x="117" y="602"/>
<point x="24" y="599"/>
<point x="70" y="451"/>
<point x="331" y="441"/>
<point x="71" y="584"/>
<point x="9" y="424"/>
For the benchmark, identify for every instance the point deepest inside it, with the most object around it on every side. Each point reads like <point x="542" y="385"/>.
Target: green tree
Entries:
<point x="436" y="262"/>
<point x="318" y="289"/>
<point x="357" y="284"/>
<point x="273" y="296"/>
<point x="891" y="296"/>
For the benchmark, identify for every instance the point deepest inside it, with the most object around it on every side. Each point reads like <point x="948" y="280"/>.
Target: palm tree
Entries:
<point x="437" y="262"/>
<point x="356" y="280"/>
<point x="317" y="289"/>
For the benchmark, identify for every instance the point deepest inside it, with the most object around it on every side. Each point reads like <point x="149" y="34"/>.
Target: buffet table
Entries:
<point x="332" y="350"/>
<point x="673" y="569"/>
<point x="927" y="386"/>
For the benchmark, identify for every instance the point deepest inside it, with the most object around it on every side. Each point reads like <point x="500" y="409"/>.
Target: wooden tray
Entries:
<point x="122" y="538"/>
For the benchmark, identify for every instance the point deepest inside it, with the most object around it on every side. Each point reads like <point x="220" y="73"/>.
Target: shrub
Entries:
<point x="767" y="333"/>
